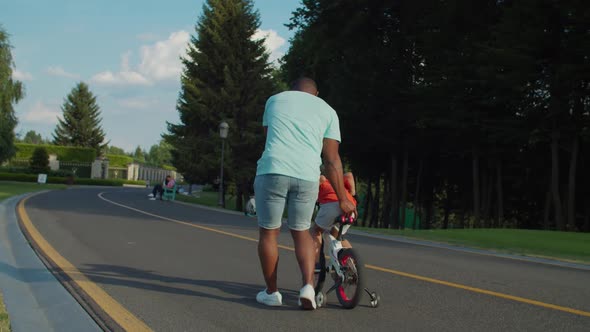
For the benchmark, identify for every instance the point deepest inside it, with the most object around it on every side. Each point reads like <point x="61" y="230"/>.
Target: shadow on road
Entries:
<point x="235" y="292"/>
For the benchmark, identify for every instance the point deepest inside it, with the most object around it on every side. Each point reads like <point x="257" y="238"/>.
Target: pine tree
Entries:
<point x="80" y="125"/>
<point x="11" y="91"/>
<point x="226" y="77"/>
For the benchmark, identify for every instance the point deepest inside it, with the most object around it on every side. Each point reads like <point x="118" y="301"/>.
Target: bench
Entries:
<point x="169" y="194"/>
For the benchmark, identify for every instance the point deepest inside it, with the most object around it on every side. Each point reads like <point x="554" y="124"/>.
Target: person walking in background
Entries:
<point x="301" y="130"/>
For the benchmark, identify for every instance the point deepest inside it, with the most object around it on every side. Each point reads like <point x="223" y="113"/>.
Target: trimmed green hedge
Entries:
<point x="117" y="160"/>
<point x="64" y="153"/>
<point x="66" y="180"/>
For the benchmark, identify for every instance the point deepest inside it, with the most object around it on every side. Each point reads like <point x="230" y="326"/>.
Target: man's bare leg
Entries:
<point x="268" y="252"/>
<point x="304" y="251"/>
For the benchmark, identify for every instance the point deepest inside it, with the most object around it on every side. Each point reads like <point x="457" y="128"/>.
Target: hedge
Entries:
<point x="117" y="160"/>
<point x="64" y="153"/>
<point x="66" y="180"/>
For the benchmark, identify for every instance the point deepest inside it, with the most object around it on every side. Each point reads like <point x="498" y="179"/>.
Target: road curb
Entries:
<point x="34" y="298"/>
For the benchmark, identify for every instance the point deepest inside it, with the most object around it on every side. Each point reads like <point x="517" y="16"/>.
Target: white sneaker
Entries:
<point x="307" y="298"/>
<point x="274" y="299"/>
<point x="151" y="195"/>
<point x="152" y="198"/>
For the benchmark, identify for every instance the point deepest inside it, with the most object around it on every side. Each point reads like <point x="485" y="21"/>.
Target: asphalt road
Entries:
<point x="183" y="268"/>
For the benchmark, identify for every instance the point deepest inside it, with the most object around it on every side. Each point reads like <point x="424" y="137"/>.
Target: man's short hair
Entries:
<point x="304" y="84"/>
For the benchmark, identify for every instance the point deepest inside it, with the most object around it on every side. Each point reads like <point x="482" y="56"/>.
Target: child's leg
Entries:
<point x="316" y="234"/>
<point x="345" y="243"/>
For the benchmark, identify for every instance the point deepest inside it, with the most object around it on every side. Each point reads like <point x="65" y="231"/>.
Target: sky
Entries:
<point x="127" y="51"/>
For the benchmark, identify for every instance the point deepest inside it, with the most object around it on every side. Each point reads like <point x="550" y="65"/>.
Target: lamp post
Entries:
<point x="223" y="129"/>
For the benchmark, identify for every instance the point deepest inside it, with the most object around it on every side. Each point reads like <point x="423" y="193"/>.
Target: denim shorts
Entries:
<point x="274" y="191"/>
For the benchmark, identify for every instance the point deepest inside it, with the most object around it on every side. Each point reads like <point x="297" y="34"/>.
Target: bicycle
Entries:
<point x="250" y="210"/>
<point x="345" y="269"/>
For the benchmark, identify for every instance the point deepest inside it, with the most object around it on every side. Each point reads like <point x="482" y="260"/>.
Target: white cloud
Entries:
<point x="42" y="113"/>
<point x="59" y="71"/>
<point x="21" y="75"/>
<point x="159" y="61"/>
<point x="273" y="42"/>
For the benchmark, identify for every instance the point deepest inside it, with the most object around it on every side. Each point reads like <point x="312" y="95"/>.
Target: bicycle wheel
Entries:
<point x="350" y="289"/>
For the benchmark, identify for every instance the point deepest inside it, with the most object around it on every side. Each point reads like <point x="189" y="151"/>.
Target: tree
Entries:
<point x="139" y="155"/>
<point x="159" y="154"/>
<point x="111" y="149"/>
<point x="226" y="77"/>
<point x="32" y="137"/>
<point x="40" y="160"/>
<point x="80" y="125"/>
<point x="11" y="91"/>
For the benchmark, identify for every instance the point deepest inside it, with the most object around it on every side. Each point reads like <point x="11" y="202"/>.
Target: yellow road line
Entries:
<point x="481" y="291"/>
<point x="110" y="306"/>
<point x="381" y="269"/>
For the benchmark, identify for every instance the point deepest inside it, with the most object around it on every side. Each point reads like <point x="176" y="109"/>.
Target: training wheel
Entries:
<point x="319" y="299"/>
<point x="375" y="300"/>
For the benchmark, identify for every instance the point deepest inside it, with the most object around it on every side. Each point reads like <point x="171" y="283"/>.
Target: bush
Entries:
<point x="63" y="153"/>
<point x="40" y="160"/>
<point x="22" y="177"/>
<point x="119" y="160"/>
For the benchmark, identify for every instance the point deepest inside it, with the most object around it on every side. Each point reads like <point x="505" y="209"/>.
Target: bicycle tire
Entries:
<point x="320" y="277"/>
<point x="350" y="290"/>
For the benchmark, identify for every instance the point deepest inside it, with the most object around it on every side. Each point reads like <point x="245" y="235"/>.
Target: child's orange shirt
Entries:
<point x="327" y="193"/>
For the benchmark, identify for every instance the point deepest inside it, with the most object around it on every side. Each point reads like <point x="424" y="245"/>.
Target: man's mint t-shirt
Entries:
<point x="297" y="124"/>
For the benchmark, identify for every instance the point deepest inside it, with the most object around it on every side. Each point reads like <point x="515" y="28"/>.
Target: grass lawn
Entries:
<point x="208" y="198"/>
<point x="4" y="321"/>
<point x="8" y="188"/>
<point x="562" y="245"/>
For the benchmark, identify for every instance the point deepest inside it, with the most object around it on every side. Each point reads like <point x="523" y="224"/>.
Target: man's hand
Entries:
<point x="348" y="208"/>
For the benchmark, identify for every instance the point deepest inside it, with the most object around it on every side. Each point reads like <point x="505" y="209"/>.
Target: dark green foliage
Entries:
<point x="40" y="160"/>
<point x="80" y="125"/>
<point x="226" y="77"/>
<point x="474" y="112"/>
<point x="11" y="91"/>
<point x="63" y="153"/>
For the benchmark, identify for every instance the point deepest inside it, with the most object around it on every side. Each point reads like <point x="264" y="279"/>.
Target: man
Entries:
<point x="301" y="129"/>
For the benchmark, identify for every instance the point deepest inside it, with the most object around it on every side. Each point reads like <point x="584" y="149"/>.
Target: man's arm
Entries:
<point x="333" y="171"/>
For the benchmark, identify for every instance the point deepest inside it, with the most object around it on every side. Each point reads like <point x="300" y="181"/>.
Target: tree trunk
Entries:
<point x="240" y="197"/>
<point x="393" y="192"/>
<point x="367" y="203"/>
<point x="555" y="180"/>
<point x="500" y="192"/>
<point x="475" y="175"/>
<point x="488" y="202"/>
<point x="547" y="210"/>
<point x="586" y="227"/>
<point x="571" y="213"/>
<point x="447" y="209"/>
<point x="417" y="192"/>
<point x="404" y="185"/>
<point x="375" y="209"/>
